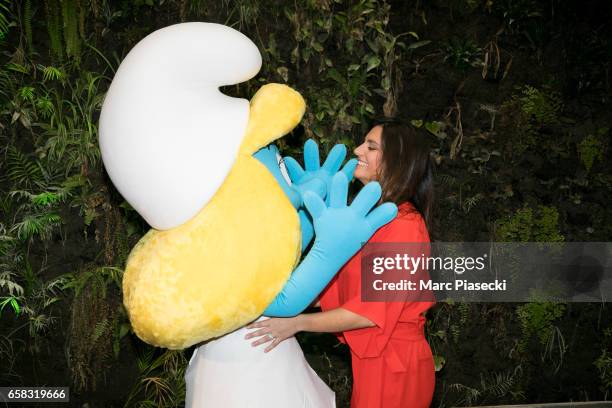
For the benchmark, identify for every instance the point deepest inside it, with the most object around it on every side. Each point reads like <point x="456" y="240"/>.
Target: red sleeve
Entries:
<point x="371" y="341"/>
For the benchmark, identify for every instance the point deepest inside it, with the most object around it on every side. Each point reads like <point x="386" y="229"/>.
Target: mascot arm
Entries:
<point x="307" y="281"/>
<point x="307" y="229"/>
<point x="340" y="232"/>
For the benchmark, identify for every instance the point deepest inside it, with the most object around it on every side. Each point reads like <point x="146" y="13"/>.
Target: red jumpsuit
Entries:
<point x="392" y="362"/>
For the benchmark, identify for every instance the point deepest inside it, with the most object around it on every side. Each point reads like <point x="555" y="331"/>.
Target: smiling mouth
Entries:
<point x="361" y="163"/>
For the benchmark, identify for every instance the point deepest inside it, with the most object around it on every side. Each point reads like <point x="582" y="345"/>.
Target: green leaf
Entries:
<point x="11" y="300"/>
<point x="52" y="73"/>
<point x="418" y="44"/>
<point x="45" y="198"/>
<point x="439" y="362"/>
<point x="124" y="329"/>
<point x="26" y="93"/>
<point x="15" y="306"/>
<point x="372" y="62"/>
<point x="373" y="45"/>
<point x="283" y="72"/>
<point x="385" y="83"/>
<point x="335" y="75"/>
<point x="436" y="129"/>
<point x="12" y="66"/>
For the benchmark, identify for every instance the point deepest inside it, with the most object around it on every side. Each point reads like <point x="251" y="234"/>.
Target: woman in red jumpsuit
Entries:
<point x="392" y="362"/>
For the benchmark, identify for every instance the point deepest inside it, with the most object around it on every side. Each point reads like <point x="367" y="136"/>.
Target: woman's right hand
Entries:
<point x="273" y="331"/>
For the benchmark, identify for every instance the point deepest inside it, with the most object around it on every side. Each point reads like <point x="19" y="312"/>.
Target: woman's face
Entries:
<point x="369" y="154"/>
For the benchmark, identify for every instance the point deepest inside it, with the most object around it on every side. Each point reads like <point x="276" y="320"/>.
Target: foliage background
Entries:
<point x="515" y="95"/>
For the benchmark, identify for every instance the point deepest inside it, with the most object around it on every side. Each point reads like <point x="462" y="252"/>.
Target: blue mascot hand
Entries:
<point x="308" y="179"/>
<point x="316" y="178"/>
<point x="344" y="229"/>
<point x="340" y="231"/>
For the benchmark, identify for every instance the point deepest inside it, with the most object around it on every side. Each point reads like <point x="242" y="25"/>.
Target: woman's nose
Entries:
<point x="356" y="151"/>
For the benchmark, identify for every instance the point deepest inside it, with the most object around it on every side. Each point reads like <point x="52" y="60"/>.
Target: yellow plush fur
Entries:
<point x="220" y="270"/>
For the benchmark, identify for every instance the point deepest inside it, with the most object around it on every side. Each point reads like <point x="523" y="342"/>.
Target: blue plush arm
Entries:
<point x="307" y="281"/>
<point x="340" y="231"/>
<point x="307" y="229"/>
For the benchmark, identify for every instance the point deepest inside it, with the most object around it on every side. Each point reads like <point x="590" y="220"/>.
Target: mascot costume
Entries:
<point x="229" y="224"/>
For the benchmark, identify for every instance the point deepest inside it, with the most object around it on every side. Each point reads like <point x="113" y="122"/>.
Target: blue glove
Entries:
<point x="316" y="178"/>
<point x="303" y="179"/>
<point x="340" y="231"/>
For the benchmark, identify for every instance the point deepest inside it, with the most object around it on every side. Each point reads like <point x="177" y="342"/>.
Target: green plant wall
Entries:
<point x="515" y="96"/>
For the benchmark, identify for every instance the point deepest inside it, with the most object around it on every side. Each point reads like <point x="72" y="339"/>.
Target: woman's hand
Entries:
<point x="274" y="330"/>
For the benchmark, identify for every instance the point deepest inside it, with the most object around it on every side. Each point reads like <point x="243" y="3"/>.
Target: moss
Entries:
<point x="538" y="319"/>
<point x="591" y="149"/>
<point x="527" y="225"/>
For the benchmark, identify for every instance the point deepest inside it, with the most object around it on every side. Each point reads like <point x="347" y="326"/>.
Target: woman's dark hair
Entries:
<point x="406" y="172"/>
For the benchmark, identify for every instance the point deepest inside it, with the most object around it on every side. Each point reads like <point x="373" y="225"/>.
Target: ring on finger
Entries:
<point x="271" y="337"/>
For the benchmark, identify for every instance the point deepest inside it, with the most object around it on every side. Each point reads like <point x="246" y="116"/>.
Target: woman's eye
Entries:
<point x="283" y="168"/>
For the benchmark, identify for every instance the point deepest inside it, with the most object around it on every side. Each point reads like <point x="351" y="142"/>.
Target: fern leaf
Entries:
<point x="27" y="24"/>
<point x="4" y="21"/>
<point x="20" y="170"/>
<point x="26" y="93"/>
<point x="6" y="281"/>
<point x="52" y="73"/>
<point x="40" y="224"/>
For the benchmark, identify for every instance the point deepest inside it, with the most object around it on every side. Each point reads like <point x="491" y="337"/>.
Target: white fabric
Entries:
<point x="229" y="373"/>
<point x="168" y="136"/>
